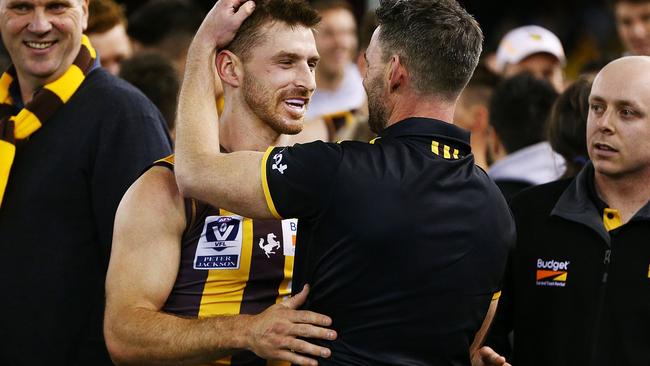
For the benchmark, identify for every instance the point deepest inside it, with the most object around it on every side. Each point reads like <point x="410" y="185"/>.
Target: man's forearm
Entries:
<point x="142" y="336"/>
<point x="197" y="129"/>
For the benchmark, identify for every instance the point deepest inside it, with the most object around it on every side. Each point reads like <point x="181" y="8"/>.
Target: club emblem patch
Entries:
<point x="220" y="244"/>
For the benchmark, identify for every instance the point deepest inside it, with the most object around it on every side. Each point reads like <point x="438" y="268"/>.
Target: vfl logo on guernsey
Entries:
<point x="552" y="273"/>
<point x="220" y="244"/>
<point x="277" y="166"/>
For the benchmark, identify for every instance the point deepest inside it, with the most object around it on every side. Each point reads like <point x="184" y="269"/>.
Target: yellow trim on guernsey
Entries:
<point x="265" y="185"/>
<point x="496" y="295"/>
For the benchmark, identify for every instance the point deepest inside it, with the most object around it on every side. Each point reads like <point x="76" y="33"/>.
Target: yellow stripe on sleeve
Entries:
<point x="456" y="152"/>
<point x="496" y="295"/>
<point x="265" y="185"/>
<point x="169" y="160"/>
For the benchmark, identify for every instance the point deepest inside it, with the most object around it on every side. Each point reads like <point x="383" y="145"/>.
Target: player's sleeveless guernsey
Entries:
<point x="231" y="265"/>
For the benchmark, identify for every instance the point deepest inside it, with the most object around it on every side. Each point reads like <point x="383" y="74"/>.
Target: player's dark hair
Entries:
<point x="437" y="40"/>
<point x="291" y="12"/>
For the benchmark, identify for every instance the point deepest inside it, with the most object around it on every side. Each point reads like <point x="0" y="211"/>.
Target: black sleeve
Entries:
<point x="298" y="180"/>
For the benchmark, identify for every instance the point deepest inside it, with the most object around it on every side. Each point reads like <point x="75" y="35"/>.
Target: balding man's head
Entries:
<point x="618" y="126"/>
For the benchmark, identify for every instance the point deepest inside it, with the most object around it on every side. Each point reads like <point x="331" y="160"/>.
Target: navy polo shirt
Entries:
<point x="403" y="240"/>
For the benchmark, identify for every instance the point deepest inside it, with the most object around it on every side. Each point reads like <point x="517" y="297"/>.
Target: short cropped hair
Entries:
<point x="519" y="109"/>
<point x="103" y="15"/>
<point x="567" y="127"/>
<point x="291" y="12"/>
<point x="437" y="40"/>
<point x="156" y="78"/>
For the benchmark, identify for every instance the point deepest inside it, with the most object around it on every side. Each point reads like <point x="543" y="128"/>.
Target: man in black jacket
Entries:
<point x="582" y="264"/>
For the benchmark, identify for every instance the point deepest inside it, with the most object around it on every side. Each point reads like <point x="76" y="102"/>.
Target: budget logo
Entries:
<point x="220" y="244"/>
<point x="552" y="273"/>
<point x="289" y="233"/>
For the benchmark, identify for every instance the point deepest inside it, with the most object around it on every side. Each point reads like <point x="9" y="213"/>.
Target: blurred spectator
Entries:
<point x="472" y="112"/>
<point x="567" y="126"/>
<point x="633" y="25"/>
<point x="366" y="29"/>
<point x="156" y="77"/>
<point x="535" y="50"/>
<point x="107" y="33"/>
<point x="165" y="26"/>
<point x="339" y="85"/>
<point x="519" y="109"/>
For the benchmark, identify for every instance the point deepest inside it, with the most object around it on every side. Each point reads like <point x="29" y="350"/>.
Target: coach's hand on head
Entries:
<point x="273" y="334"/>
<point x="222" y="22"/>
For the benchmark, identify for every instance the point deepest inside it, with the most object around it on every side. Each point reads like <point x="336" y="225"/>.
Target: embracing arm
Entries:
<point x="232" y="181"/>
<point x="485" y="356"/>
<point x="142" y="271"/>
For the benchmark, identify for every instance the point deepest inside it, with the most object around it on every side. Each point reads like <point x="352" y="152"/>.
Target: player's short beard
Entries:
<point x="262" y="101"/>
<point x="377" y="112"/>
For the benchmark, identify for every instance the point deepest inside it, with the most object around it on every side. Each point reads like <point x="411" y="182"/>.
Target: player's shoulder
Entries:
<point x="157" y="188"/>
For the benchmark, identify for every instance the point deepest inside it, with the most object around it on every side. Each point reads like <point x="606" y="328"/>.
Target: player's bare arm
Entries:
<point x="142" y="271"/>
<point x="485" y="356"/>
<point x="200" y="167"/>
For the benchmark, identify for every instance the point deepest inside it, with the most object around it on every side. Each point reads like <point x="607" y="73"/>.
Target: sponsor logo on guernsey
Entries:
<point x="220" y="244"/>
<point x="552" y="273"/>
<point x="270" y="246"/>
<point x="278" y="163"/>
<point x="289" y="232"/>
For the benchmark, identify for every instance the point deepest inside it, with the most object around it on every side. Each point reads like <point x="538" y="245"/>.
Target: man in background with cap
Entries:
<point x="535" y="50"/>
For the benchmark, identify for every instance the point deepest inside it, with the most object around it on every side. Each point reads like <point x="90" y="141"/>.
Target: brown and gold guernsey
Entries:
<point x="231" y="265"/>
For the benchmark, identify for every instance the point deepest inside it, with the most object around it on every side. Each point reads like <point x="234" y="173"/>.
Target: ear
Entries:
<point x="397" y="73"/>
<point x="229" y="68"/>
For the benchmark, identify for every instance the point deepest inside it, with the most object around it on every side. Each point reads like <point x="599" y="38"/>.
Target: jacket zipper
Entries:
<point x="599" y="309"/>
